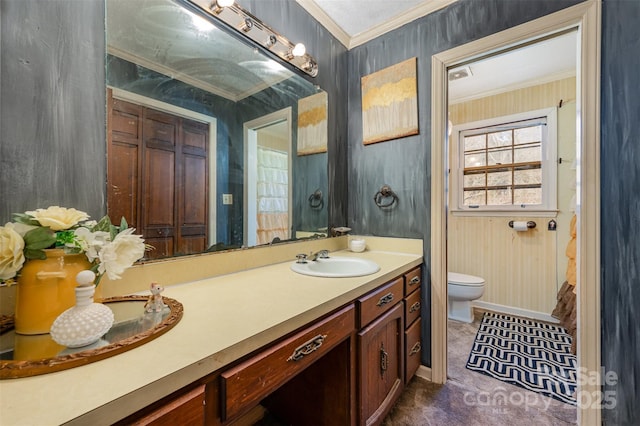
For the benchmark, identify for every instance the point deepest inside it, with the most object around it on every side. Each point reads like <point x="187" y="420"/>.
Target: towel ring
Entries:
<point x="315" y="200"/>
<point x="385" y="192"/>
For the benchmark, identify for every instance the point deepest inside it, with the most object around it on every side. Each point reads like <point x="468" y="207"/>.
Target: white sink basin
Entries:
<point x="337" y="267"/>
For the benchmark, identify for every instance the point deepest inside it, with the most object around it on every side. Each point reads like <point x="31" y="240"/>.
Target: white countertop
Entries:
<point x="225" y="318"/>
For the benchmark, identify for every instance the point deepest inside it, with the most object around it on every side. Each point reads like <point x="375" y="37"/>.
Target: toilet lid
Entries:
<point x="463" y="279"/>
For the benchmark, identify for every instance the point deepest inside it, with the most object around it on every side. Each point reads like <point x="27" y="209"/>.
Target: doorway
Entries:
<point x="585" y="19"/>
<point x="267" y="178"/>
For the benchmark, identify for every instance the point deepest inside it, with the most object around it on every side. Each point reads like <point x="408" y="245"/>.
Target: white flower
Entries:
<point x="121" y="253"/>
<point x="58" y="218"/>
<point x="91" y="242"/>
<point x="11" y="255"/>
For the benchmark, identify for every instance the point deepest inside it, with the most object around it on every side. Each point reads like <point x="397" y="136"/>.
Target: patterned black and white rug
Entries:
<point x="526" y="353"/>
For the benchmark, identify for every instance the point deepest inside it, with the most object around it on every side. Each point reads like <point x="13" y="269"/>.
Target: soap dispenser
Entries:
<point x="86" y="322"/>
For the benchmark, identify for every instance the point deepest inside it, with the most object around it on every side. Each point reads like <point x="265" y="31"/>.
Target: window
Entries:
<point x="506" y="164"/>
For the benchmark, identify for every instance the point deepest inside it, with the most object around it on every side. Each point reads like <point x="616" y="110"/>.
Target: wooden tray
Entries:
<point x="35" y="355"/>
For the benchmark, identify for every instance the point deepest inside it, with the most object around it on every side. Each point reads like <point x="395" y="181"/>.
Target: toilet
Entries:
<point x="462" y="289"/>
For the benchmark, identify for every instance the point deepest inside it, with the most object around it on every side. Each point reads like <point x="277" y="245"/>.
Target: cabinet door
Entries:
<point x="381" y="368"/>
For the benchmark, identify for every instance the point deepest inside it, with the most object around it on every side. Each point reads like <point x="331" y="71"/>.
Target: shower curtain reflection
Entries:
<point x="272" y="200"/>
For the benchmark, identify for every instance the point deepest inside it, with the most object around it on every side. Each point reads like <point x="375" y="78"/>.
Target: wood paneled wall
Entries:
<point x="519" y="268"/>
<point x="522" y="270"/>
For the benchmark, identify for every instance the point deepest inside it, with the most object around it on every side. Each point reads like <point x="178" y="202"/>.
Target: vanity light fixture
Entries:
<point x="235" y="17"/>
<point x="271" y="41"/>
<point x="246" y="25"/>
<point x="218" y="6"/>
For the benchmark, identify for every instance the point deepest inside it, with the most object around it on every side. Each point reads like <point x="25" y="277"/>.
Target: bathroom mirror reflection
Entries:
<point x="32" y="355"/>
<point x="182" y="90"/>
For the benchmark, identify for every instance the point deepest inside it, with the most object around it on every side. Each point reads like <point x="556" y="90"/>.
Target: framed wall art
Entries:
<point x="390" y="103"/>
<point x="312" y="124"/>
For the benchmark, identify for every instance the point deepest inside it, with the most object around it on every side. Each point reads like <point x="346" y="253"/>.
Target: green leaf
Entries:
<point x="123" y="224"/>
<point x="39" y="238"/>
<point x="25" y="219"/>
<point x="34" y="254"/>
<point x="103" y="225"/>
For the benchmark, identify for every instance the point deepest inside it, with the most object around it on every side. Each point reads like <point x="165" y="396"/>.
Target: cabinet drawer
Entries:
<point x="249" y="382"/>
<point x="413" y="350"/>
<point x="412" y="308"/>
<point x="379" y="301"/>
<point x="412" y="280"/>
<point x="187" y="409"/>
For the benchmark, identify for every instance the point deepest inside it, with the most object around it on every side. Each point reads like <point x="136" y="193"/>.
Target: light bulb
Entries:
<point x="298" y="50"/>
<point x="225" y="3"/>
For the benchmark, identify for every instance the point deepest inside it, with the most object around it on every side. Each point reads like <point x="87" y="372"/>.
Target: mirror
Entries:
<point x="205" y="134"/>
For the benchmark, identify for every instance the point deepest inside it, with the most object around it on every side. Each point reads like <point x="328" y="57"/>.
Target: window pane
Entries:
<point x="527" y="177"/>
<point x="526" y="154"/>
<point x="500" y="156"/>
<point x="499" y="197"/>
<point x="474" y="180"/>
<point x="474" y="142"/>
<point x="499" y="178"/>
<point x="474" y="198"/>
<point x="528" y="134"/>
<point x="499" y="139"/>
<point x="475" y="160"/>
<point x="527" y="196"/>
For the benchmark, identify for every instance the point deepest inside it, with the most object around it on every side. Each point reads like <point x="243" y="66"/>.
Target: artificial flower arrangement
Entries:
<point x="110" y="249"/>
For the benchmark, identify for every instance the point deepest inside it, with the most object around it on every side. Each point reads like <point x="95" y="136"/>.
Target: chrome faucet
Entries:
<point x="322" y="254"/>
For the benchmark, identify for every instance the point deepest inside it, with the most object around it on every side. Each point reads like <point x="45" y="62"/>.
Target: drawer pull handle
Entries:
<point x="307" y="348"/>
<point x="385" y="299"/>
<point x="414" y="281"/>
<point x="415" y="349"/>
<point x="414" y="307"/>
<point x="384" y="360"/>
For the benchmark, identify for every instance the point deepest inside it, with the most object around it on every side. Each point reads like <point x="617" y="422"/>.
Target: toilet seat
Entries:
<point x="464" y="280"/>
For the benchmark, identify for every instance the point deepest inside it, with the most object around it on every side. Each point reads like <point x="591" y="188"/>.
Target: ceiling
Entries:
<point x="354" y="22"/>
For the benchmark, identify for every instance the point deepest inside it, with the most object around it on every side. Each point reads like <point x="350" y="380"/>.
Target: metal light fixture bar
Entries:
<point x="253" y="28"/>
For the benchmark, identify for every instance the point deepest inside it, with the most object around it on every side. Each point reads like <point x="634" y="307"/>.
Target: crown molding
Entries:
<point x="398" y="21"/>
<point x="325" y="20"/>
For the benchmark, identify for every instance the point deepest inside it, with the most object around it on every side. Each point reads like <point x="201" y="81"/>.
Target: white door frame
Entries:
<point x="250" y="167"/>
<point x="586" y="17"/>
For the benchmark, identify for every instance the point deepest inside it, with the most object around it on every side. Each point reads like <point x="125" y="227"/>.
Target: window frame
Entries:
<point x="549" y="161"/>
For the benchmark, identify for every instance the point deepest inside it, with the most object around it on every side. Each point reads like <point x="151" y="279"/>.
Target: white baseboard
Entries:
<point x="514" y="311"/>
<point x="424" y="372"/>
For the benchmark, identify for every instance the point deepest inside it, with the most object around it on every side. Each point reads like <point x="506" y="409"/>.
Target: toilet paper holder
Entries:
<point x="530" y="224"/>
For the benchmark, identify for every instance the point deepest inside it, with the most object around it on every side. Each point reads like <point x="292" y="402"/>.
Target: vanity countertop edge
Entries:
<point x="225" y="318"/>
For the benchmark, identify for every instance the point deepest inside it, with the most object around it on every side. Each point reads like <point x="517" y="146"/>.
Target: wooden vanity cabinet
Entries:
<point x="412" y="331"/>
<point x="245" y="385"/>
<point x="348" y="367"/>
<point x="380" y="345"/>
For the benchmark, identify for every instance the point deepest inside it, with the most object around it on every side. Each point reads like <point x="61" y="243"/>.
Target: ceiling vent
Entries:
<point x="459" y="73"/>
